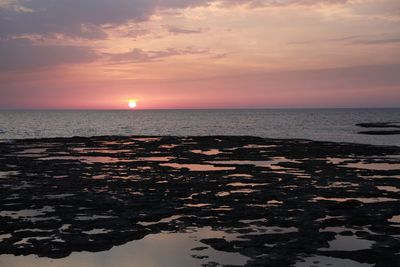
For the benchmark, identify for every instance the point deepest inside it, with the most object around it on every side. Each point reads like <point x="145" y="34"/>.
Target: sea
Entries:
<point x="337" y="125"/>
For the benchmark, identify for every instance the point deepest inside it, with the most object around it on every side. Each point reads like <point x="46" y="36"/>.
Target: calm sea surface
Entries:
<point x="316" y="124"/>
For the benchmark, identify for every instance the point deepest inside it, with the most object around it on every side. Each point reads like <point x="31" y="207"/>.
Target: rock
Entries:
<point x="94" y="193"/>
<point x="388" y="132"/>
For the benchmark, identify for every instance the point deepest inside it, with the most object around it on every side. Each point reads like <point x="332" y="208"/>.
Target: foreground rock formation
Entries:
<point x="279" y="201"/>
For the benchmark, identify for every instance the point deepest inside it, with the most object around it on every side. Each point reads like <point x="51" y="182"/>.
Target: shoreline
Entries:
<point x="285" y="199"/>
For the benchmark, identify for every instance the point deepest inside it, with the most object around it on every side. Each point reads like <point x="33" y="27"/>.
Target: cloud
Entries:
<point x="375" y="42"/>
<point x="300" y="42"/>
<point x="178" y="30"/>
<point x="72" y="17"/>
<point x="85" y="19"/>
<point x="266" y="3"/>
<point x="22" y="54"/>
<point x="345" y="38"/>
<point x="352" y="39"/>
<point x="78" y="18"/>
<point x="337" y="39"/>
<point x="13" y="5"/>
<point x="140" y="56"/>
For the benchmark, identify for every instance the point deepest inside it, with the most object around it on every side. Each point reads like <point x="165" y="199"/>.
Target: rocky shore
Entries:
<point x="279" y="201"/>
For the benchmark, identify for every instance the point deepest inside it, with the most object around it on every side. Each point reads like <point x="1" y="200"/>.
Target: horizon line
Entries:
<point x="155" y="109"/>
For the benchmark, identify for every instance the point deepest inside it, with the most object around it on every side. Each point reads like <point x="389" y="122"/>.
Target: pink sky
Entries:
<point x="91" y="54"/>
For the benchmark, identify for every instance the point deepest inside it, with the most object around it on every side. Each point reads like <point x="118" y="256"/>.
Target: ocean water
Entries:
<point x="336" y="125"/>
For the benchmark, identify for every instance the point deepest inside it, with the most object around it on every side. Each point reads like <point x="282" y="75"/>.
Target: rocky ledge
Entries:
<point x="380" y="125"/>
<point x="387" y="132"/>
<point x="279" y="201"/>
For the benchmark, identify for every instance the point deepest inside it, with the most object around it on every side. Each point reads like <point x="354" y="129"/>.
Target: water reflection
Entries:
<point x="209" y="152"/>
<point x="32" y="215"/>
<point x="352" y="163"/>
<point x="239" y="175"/>
<point x="395" y="219"/>
<point x="146" y="139"/>
<point x="167" y="146"/>
<point x="100" y="150"/>
<point x="156" y="158"/>
<point x="361" y="199"/>
<point x="389" y="188"/>
<point x="197" y="167"/>
<point x="323" y="261"/>
<point x="165" y="249"/>
<point x="348" y="243"/>
<point x="89" y="159"/>
<point x="374" y="166"/>
<point x="259" y="146"/>
<point x="260" y="163"/>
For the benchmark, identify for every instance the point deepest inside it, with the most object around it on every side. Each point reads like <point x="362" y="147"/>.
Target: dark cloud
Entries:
<point x="22" y="54"/>
<point x="140" y="56"/>
<point x="79" y="18"/>
<point x="73" y="17"/>
<point x="182" y="3"/>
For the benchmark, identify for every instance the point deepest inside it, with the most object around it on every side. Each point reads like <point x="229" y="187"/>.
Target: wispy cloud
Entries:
<point x="14" y="5"/>
<point x="377" y="41"/>
<point x="137" y="55"/>
<point x="266" y="3"/>
<point x="300" y="42"/>
<point x="345" y="38"/>
<point x="179" y="30"/>
<point x="353" y="39"/>
<point x="336" y="39"/>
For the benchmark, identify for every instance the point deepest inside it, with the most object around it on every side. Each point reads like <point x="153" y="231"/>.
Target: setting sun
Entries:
<point x="132" y="104"/>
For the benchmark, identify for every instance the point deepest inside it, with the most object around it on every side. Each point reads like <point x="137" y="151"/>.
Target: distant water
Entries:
<point x="317" y="124"/>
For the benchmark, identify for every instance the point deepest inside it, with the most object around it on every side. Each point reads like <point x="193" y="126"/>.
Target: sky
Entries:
<point x="99" y="54"/>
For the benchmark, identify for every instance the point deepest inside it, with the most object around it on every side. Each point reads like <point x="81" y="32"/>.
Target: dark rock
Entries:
<point x="379" y="125"/>
<point x="388" y="132"/>
<point x="199" y="248"/>
<point x="90" y="194"/>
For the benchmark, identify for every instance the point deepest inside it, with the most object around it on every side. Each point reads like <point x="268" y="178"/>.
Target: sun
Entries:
<point x="132" y="104"/>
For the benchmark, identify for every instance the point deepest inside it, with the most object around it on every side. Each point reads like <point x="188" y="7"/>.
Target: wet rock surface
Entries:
<point x="279" y="201"/>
